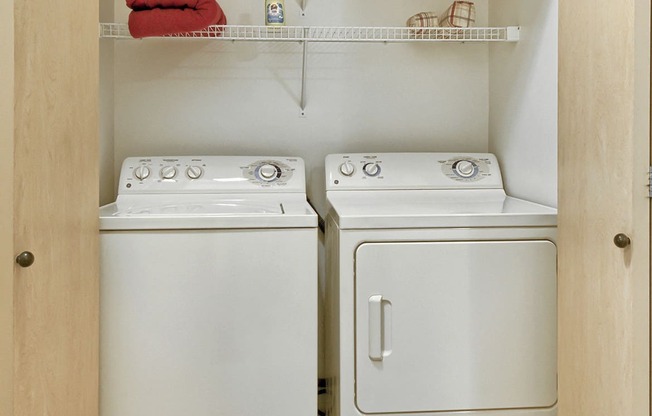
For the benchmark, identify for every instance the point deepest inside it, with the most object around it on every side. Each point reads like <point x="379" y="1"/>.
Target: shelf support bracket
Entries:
<point x="302" y="104"/>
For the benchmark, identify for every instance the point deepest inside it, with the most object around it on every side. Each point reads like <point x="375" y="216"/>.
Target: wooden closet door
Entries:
<point x="53" y="358"/>
<point x="604" y="141"/>
<point x="6" y="205"/>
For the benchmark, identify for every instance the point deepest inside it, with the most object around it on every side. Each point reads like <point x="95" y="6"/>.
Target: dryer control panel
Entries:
<point x="211" y="174"/>
<point x="360" y="171"/>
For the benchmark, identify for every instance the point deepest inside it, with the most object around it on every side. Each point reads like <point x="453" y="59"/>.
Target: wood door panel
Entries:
<point x="6" y="205"/>
<point x="603" y="156"/>
<point x="56" y="194"/>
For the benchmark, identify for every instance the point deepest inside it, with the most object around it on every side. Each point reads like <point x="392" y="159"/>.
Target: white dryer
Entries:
<point x="441" y="289"/>
<point x="209" y="289"/>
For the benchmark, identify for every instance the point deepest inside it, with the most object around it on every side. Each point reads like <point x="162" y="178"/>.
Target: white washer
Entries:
<point x="441" y="290"/>
<point x="209" y="289"/>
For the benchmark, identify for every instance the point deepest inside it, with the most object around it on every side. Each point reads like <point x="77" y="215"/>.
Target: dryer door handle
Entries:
<point x="376" y="328"/>
<point x="376" y="325"/>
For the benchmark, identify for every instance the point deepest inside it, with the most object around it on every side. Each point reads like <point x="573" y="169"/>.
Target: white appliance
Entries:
<point x="441" y="290"/>
<point x="209" y="289"/>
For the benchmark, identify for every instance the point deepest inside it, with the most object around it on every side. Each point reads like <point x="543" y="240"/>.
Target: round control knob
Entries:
<point x="347" y="168"/>
<point x="141" y="173"/>
<point x="465" y="168"/>
<point x="194" y="172"/>
<point x="371" y="169"/>
<point x="268" y="172"/>
<point x="168" y="172"/>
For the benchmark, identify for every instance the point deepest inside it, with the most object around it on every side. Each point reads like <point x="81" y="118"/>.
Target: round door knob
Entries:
<point x="621" y="240"/>
<point x="25" y="259"/>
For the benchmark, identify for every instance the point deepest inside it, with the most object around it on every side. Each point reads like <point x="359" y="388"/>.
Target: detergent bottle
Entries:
<point x="274" y="13"/>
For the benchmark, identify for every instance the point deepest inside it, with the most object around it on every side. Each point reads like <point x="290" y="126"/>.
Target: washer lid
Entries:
<point x="436" y="209"/>
<point x="131" y="212"/>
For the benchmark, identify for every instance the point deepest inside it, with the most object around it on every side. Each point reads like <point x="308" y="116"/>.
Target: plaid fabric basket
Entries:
<point x="423" y="19"/>
<point x="459" y="14"/>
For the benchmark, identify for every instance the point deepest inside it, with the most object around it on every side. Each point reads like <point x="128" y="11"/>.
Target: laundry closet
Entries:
<point x="495" y="92"/>
<point x="217" y="97"/>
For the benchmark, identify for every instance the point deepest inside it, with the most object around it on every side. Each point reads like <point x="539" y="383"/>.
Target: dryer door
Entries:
<point x="455" y="326"/>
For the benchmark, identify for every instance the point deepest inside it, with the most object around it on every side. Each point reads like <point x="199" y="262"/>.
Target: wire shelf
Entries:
<point x="333" y="34"/>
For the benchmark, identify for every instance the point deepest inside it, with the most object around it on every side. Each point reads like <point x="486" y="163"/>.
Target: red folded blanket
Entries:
<point x="167" y="17"/>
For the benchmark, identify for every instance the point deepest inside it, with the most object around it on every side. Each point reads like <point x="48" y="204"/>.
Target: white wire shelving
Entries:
<point x="309" y="34"/>
<point x="333" y="34"/>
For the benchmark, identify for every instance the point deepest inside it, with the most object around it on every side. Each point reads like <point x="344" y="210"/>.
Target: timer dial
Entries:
<point x="268" y="172"/>
<point x="465" y="168"/>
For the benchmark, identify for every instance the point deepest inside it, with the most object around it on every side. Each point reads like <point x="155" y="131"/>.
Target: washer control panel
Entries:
<point x="211" y="174"/>
<point x="412" y="171"/>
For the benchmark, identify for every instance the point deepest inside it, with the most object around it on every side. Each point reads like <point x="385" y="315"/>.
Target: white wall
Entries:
<point x="106" y="108"/>
<point x="523" y="99"/>
<point x="178" y="96"/>
<point x="212" y="97"/>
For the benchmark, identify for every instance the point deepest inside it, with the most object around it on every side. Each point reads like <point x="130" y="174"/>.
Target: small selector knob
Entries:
<point x="371" y="169"/>
<point x="347" y="168"/>
<point x="268" y="172"/>
<point x="465" y="168"/>
<point x="141" y="173"/>
<point x="168" y="172"/>
<point x="194" y="172"/>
